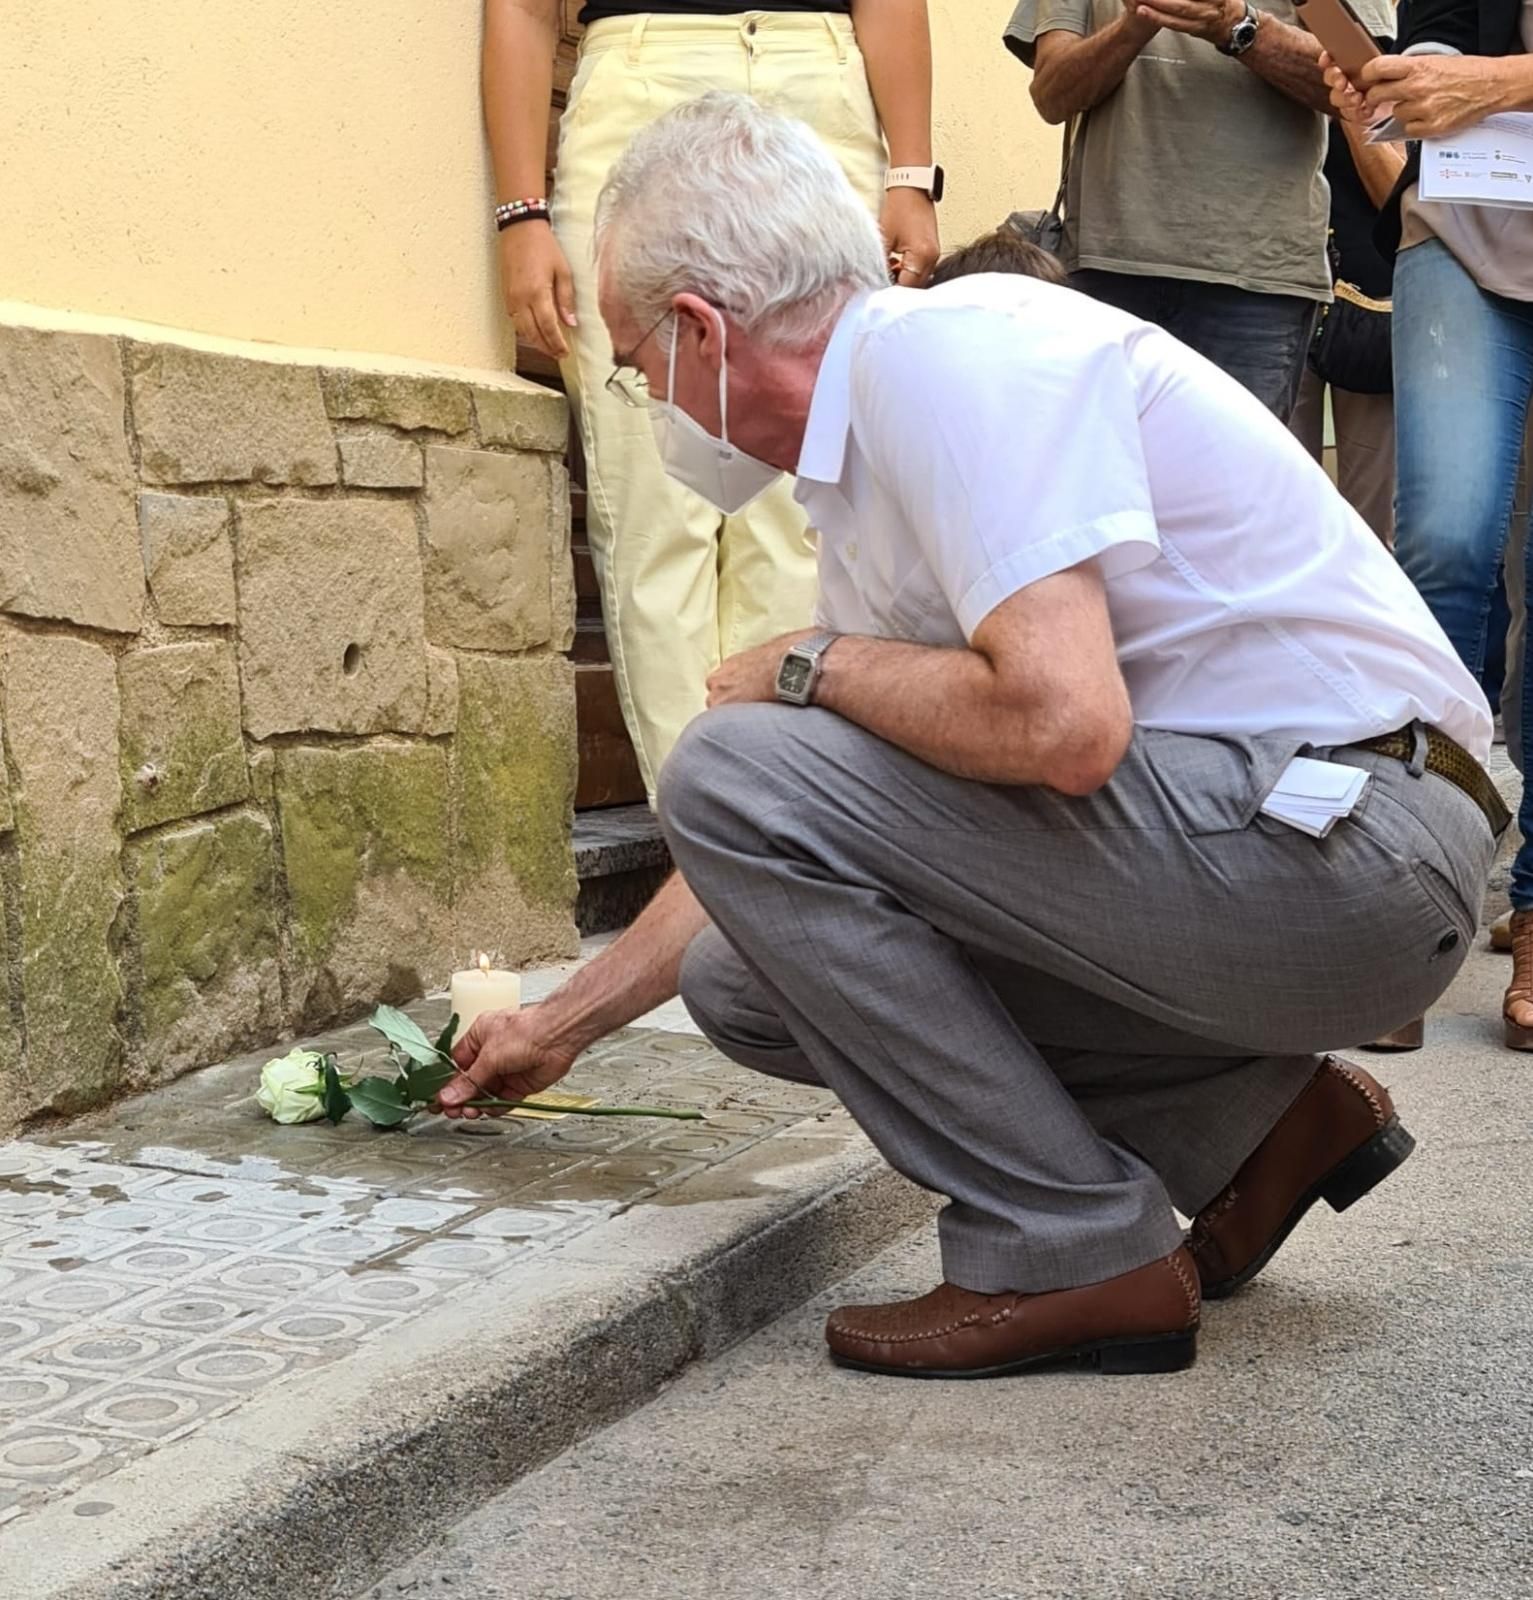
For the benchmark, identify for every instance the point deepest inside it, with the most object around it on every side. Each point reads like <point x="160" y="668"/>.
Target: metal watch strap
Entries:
<point x="814" y="647"/>
<point x="1243" y="34"/>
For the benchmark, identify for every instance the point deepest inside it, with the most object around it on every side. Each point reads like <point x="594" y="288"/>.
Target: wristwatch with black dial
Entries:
<point x="1243" y="34"/>
<point x="799" y="673"/>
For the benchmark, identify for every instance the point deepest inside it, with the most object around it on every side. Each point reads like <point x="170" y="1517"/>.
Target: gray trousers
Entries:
<point x="1066" y="1015"/>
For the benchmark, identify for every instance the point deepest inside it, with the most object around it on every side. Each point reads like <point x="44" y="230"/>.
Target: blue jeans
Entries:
<point x="1463" y="379"/>
<point x="1261" y="340"/>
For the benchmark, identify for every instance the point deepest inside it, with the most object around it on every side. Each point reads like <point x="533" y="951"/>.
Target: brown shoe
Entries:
<point x="1411" y="1037"/>
<point x="1143" y="1321"/>
<point x="1501" y="933"/>
<point x="1517" y="1008"/>
<point x="1338" y="1140"/>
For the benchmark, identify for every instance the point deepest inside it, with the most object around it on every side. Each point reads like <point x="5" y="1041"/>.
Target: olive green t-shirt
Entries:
<point x="1195" y="167"/>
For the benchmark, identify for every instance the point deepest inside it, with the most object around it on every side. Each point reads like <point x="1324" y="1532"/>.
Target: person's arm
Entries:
<point x="895" y="39"/>
<point x="1037" y="698"/>
<point x="512" y="1055"/>
<point x="1378" y="165"/>
<point x="1285" y="56"/>
<point x="1434" y="96"/>
<point x="517" y="66"/>
<point x="1072" y="74"/>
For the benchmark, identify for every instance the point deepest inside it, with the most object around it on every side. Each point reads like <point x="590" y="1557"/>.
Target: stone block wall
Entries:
<point x="286" y="720"/>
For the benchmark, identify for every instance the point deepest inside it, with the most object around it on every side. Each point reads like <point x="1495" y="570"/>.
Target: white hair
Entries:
<point x="743" y="206"/>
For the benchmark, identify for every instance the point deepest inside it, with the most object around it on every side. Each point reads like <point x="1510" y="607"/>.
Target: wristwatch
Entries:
<point x="1243" y="34"/>
<point x="799" y="674"/>
<point x="929" y="180"/>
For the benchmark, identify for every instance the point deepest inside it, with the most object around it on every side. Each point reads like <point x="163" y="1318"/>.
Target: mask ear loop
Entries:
<point x="724" y="383"/>
<point x="670" y="371"/>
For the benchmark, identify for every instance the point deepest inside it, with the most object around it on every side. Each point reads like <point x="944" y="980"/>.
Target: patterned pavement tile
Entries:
<point x="161" y="1263"/>
<point x="235" y="1365"/>
<point x="23" y="1333"/>
<point x="42" y="1456"/>
<point x="143" y="1408"/>
<point x="27" y="1390"/>
<point x="105" y="1352"/>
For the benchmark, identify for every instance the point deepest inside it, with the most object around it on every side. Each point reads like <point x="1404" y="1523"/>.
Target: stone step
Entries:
<point x="620" y="859"/>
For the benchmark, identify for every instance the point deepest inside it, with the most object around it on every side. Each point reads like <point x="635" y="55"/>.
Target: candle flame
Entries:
<point x="484" y="961"/>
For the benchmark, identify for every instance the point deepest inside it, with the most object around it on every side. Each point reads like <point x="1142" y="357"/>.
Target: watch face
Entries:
<point x="794" y="678"/>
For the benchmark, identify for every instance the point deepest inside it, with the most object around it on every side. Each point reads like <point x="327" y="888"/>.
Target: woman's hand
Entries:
<point x="1434" y="96"/>
<point x="539" y="289"/>
<point x="909" y="224"/>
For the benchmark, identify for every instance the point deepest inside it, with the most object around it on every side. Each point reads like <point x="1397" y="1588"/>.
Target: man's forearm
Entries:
<point x="638" y="972"/>
<point x="520" y="38"/>
<point x="1289" y="59"/>
<point x="949" y="708"/>
<point x="1073" y="77"/>
<point x="895" y="39"/>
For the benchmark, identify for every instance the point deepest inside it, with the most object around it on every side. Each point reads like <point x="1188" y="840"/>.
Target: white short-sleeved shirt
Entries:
<point x="966" y="441"/>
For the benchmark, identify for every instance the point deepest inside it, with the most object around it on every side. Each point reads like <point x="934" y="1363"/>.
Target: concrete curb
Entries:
<point x="344" y="1472"/>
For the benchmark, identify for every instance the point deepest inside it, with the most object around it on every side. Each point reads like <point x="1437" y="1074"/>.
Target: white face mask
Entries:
<point x="710" y="467"/>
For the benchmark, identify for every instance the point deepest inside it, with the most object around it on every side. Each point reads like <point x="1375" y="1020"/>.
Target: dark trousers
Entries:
<point x="1261" y="340"/>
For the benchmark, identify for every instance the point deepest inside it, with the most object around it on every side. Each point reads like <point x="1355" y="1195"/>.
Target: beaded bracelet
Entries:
<point x="513" y="211"/>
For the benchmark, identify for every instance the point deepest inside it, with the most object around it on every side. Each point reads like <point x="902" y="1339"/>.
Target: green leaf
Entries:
<point x="333" y="1094"/>
<point x="399" y="1030"/>
<point x="424" y="1083"/>
<point x="448" y="1036"/>
<point x="381" y="1101"/>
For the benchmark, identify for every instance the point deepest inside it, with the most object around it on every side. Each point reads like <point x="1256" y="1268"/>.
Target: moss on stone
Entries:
<point x="71" y="980"/>
<point x="514" y="805"/>
<point x="367" y="850"/>
<point x="516" y="771"/>
<point x="206" y="932"/>
<point x="181" y="748"/>
<point x="62" y="730"/>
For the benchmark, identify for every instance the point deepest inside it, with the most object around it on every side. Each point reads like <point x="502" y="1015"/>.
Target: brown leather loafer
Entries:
<point x="1337" y="1141"/>
<point x="1411" y="1037"/>
<point x="1143" y="1321"/>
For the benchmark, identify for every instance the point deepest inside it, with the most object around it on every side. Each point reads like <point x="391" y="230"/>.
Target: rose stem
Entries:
<point x="585" y="1111"/>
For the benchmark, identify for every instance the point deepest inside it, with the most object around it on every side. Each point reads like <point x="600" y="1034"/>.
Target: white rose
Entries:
<point x="287" y="1087"/>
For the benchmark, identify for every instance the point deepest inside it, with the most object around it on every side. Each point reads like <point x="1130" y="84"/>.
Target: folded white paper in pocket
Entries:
<point x="1313" y="796"/>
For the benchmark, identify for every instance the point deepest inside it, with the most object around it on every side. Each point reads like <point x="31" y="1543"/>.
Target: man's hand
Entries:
<point x="539" y="289"/>
<point x="909" y="223"/>
<point x="751" y="675"/>
<point x="502" y="1057"/>
<point x="1433" y="96"/>
<point x="1349" y="105"/>
<point x="1213" y="20"/>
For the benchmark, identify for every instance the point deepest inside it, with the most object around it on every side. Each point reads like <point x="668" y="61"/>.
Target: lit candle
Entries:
<point x="483" y="988"/>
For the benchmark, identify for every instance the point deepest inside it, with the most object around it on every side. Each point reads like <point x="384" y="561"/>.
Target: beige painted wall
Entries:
<point x="314" y="173"/>
<point x="999" y="155"/>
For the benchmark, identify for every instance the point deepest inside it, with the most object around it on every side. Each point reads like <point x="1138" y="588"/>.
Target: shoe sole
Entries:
<point x="1170" y="1352"/>
<point x="1411" y="1037"/>
<point x="1344" y="1185"/>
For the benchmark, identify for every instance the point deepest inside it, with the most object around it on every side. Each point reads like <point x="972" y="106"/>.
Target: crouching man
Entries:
<point x="986" y="850"/>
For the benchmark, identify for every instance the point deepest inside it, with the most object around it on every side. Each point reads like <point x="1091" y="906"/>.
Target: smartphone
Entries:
<point x="1335" y="24"/>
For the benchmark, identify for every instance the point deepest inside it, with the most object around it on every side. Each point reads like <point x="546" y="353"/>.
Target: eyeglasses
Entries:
<point x="627" y="383"/>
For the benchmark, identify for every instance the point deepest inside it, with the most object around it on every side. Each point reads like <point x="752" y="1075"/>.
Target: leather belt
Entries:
<point x="1449" y="760"/>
